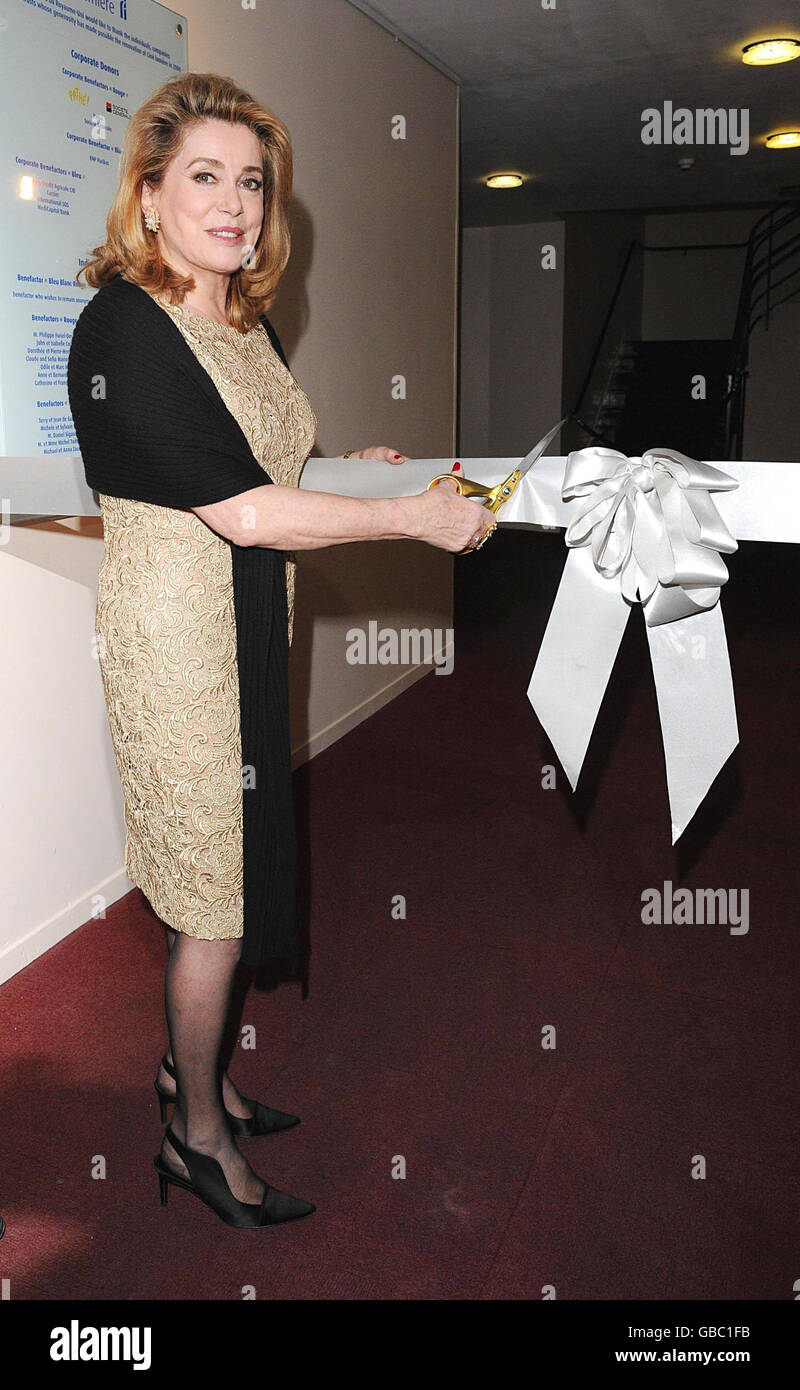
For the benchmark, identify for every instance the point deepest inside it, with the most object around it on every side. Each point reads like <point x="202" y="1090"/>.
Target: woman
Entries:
<point x="194" y="432"/>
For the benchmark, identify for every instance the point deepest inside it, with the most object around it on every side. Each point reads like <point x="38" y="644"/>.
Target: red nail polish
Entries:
<point x="455" y="466"/>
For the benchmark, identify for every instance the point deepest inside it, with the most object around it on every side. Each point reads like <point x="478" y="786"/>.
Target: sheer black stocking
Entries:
<point x="235" y="1104"/>
<point x="197" y="994"/>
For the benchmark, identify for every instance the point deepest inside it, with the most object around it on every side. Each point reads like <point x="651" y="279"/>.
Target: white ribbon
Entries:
<point x="676" y="536"/>
<point x="645" y="530"/>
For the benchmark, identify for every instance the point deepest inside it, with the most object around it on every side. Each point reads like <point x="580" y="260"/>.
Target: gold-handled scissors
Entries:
<point x="493" y="498"/>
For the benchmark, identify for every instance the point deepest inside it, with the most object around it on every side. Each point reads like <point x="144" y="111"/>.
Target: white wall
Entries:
<point x="771" y="420"/>
<point x="511" y="338"/>
<point x="693" y="294"/>
<point x="60" y="803"/>
<point x="475" y="402"/>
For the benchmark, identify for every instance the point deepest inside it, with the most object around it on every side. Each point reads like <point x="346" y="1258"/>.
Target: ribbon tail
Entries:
<point x="694" y="688"/>
<point x="576" y="659"/>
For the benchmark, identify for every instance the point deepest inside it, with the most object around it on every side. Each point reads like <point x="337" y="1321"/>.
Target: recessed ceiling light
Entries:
<point x="783" y="140"/>
<point x="771" y="51"/>
<point x="504" y="181"/>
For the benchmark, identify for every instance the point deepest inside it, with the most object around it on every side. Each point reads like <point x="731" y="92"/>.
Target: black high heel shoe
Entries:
<point x="263" y="1120"/>
<point x="208" y="1182"/>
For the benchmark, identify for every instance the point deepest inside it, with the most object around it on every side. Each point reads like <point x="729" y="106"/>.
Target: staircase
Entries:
<point x="690" y="394"/>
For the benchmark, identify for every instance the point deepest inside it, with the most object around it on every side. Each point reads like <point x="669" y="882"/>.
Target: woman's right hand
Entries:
<point x="447" y="520"/>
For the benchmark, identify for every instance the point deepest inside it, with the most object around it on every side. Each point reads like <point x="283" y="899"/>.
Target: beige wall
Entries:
<point x="370" y="293"/>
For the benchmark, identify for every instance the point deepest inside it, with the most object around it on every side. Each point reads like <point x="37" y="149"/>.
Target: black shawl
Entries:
<point x="152" y="427"/>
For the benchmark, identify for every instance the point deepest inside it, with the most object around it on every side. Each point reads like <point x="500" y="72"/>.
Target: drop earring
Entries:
<point x="152" y="220"/>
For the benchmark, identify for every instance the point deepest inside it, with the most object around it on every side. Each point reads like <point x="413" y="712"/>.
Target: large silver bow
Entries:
<point x="653" y="522"/>
<point x="644" y="530"/>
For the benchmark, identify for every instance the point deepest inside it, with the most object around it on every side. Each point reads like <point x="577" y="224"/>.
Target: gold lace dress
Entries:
<point x="167" y="649"/>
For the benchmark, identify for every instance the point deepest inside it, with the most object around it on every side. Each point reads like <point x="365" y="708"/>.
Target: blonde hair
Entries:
<point x="154" y="136"/>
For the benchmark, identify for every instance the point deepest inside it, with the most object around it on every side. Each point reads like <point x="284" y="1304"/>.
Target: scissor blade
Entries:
<point x="538" y="449"/>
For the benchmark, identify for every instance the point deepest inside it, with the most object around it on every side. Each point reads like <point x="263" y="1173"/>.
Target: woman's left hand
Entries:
<point x="379" y="452"/>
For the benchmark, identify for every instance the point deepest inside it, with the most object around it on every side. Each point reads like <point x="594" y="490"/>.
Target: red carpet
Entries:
<point x="525" y="1167"/>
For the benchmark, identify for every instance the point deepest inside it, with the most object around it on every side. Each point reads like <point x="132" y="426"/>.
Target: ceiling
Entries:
<point x="557" y="94"/>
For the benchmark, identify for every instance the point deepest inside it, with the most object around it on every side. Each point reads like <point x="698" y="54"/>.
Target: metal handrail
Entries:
<point x="774" y="305"/>
<point x="767" y="252"/>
